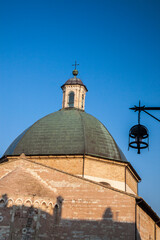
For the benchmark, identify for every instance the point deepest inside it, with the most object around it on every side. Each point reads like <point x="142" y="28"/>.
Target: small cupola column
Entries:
<point x="74" y="92"/>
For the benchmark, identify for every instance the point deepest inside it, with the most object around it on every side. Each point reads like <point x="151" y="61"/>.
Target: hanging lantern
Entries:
<point x="140" y="135"/>
<point x="139" y="132"/>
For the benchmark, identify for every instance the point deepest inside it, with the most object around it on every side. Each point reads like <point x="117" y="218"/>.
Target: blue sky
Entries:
<point x="115" y="42"/>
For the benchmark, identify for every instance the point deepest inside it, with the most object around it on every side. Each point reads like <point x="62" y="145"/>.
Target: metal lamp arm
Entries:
<point x="143" y="108"/>
<point x="151" y="115"/>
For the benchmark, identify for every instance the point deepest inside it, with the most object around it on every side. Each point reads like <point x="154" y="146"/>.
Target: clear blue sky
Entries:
<point x="116" y="43"/>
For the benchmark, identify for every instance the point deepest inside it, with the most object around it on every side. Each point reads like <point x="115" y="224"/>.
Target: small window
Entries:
<point x="82" y="104"/>
<point x="71" y="99"/>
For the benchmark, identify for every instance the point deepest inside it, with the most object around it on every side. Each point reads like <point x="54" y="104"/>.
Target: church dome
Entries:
<point x="69" y="131"/>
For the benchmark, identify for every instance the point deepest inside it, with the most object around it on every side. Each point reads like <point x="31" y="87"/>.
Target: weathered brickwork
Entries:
<point x="78" y="92"/>
<point x="40" y="202"/>
<point x="115" y="173"/>
<point x="131" y="181"/>
<point x="93" y="167"/>
<point x="104" y="169"/>
<point x="157" y="233"/>
<point x="145" y="225"/>
<point x="70" y="164"/>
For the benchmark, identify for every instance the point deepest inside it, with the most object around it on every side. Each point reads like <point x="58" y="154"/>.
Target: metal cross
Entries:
<point x="76" y="64"/>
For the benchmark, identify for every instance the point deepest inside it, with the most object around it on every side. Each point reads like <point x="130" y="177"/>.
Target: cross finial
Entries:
<point x="75" y="71"/>
<point x="76" y="64"/>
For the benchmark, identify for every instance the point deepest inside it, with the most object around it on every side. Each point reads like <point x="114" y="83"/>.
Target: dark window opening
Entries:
<point x="71" y="99"/>
<point x="82" y="104"/>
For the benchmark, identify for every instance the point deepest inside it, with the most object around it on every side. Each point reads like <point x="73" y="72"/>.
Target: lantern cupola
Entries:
<point x="74" y="92"/>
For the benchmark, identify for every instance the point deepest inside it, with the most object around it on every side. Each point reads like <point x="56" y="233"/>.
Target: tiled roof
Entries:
<point x="74" y="81"/>
<point x="65" y="132"/>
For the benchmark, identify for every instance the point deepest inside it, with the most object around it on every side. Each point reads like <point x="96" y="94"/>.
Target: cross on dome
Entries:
<point x="75" y="71"/>
<point x="76" y="64"/>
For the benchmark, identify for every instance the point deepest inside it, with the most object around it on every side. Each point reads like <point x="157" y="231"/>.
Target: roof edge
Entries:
<point x="74" y="84"/>
<point x="144" y="205"/>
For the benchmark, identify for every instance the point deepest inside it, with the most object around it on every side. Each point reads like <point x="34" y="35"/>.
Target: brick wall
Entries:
<point x="78" y="91"/>
<point x="145" y="225"/>
<point x="70" y="164"/>
<point x="39" y="202"/>
<point x="85" y="210"/>
<point x="103" y="169"/>
<point x="131" y="181"/>
<point x="97" y="169"/>
<point x="157" y="233"/>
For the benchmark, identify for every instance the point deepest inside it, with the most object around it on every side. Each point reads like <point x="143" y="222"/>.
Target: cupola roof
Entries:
<point x="74" y="81"/>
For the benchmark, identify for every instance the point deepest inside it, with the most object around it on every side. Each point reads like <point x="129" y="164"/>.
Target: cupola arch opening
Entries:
<point x="71" y="99"/>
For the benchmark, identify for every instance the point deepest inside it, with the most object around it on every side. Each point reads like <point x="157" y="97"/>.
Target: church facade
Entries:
<point x="66" y="178"/>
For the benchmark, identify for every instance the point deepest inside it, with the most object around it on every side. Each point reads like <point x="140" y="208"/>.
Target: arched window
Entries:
<point x="71" y="99"/>
<point x="82" y="103"/>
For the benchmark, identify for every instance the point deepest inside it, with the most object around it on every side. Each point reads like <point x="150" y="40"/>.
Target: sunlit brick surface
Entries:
<point x="40" y="202"/>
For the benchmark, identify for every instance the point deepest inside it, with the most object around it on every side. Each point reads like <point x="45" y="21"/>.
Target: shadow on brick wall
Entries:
<point x="27" y="222"/>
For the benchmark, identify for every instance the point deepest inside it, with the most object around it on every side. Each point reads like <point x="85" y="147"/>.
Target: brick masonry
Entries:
<point x="117" y="174"/>
<point x="78" y="92"/>
<point x="40" y="202"/>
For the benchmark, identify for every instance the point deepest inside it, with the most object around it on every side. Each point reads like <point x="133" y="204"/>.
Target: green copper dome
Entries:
<point x="66" y="132"/>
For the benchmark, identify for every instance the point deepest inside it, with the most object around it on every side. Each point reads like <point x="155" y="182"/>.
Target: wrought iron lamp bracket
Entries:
<point x="139" y="132"/>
